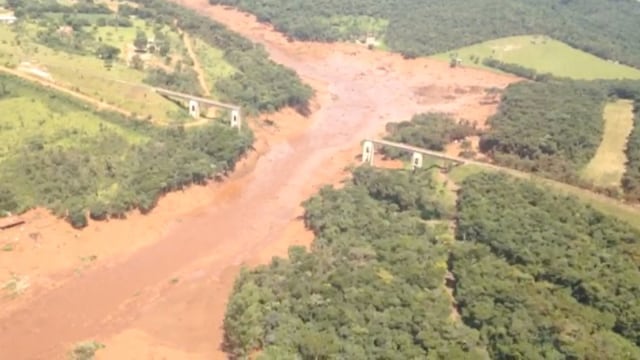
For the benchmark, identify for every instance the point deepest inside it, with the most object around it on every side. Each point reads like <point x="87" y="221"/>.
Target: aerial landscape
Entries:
<point x="319" y="179"/>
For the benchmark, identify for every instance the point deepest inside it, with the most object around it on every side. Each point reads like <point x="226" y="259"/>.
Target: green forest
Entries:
<point x="431" y="131"/>
<point x="606" y="28"/>
<point x="554" y="127"/>
<point x="631" y="178"/>
<point x="544" y="276"/>
<point x="99" y="162"/>
<point x="371" y="287"/>
<point x="536" y="275"/>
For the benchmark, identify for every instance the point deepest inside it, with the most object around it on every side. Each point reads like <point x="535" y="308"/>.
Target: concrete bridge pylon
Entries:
<point x="194" y="109"/>
<point x="417" y="157"/>
<point x="367" y="152"/>
<point x="195" y="105"/>
<point x="416" y="160"/>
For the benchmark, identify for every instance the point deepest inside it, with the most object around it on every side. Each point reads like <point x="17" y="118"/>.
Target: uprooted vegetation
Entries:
<point x="70" y="159"/>
<point x="552" y="128"/>
<point x="372" y="284"/>
<point x="603" y="28"/>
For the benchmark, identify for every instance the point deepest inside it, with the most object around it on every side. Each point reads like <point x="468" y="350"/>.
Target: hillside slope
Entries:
<point x="603" y="28"/>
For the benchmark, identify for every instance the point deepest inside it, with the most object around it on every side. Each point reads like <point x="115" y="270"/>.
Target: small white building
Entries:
<point x="7" y="18"/>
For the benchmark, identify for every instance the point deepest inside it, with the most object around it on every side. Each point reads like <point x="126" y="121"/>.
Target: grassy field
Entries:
<point x="608" y="165"/>
<point x="213" y="64"/>
<point x="607" y="205"/>
<point x="120" y="86"/>
<point x="36" y="117"/>
<point x="544" y="55"/>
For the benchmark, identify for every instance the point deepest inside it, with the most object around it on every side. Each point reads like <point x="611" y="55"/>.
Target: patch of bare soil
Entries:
<point x="159" y="285"/>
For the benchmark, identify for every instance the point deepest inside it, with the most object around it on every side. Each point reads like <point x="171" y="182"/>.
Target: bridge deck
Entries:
<point x="196" y="98"/>
<point x="410" y="148"/>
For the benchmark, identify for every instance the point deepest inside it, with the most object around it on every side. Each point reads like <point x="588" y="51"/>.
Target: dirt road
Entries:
<point x="100" y="105"/>
<point x="167" y="300"/>
<point x="196" y="63"/>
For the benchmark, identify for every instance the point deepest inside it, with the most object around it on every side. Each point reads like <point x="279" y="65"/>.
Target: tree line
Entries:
<point x="517" y="70"/>
<point x="631" y="177"/>
<point x="106" y="174"/>
<point x="416" y="28"/>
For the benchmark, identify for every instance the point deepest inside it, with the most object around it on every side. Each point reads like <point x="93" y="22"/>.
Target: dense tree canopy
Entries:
<point x="431" y="131"/>
<point x="371" y="288"/>
<point x="107" y="173"/>
<point x="606" y="28"/>
<point x="537" y="275"/>
<point x="545" y="276"/>
<point x="552" y="127"/>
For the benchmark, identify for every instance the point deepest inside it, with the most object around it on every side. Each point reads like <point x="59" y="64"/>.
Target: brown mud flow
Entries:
<point x="167" y="300"/>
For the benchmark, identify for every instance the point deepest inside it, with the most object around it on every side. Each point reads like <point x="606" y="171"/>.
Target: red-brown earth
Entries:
<point x="158" y="284"/>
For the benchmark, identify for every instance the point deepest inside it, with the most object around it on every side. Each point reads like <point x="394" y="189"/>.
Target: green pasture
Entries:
<point x="120" y="86"/>
<point x="544" y="55"/>
<point x="37" y="118"/>
<point x="608" y="165"/>
<point x="212" y="61"/>
<point x="120" y="36"/>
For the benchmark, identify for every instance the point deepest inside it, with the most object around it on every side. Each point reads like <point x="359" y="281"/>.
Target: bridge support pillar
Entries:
<point x="236" y="122"/>
<point x="367" y="152"/>
<point x="194" y="109"/>
<point x="416" y="160"/>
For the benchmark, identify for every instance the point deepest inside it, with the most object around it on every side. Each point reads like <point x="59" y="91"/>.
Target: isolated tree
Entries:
<point x="107" y="52"/>
<point x="140" y="41"/>
<point x="164" y="49"/>
<point x="137" y="63"/>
